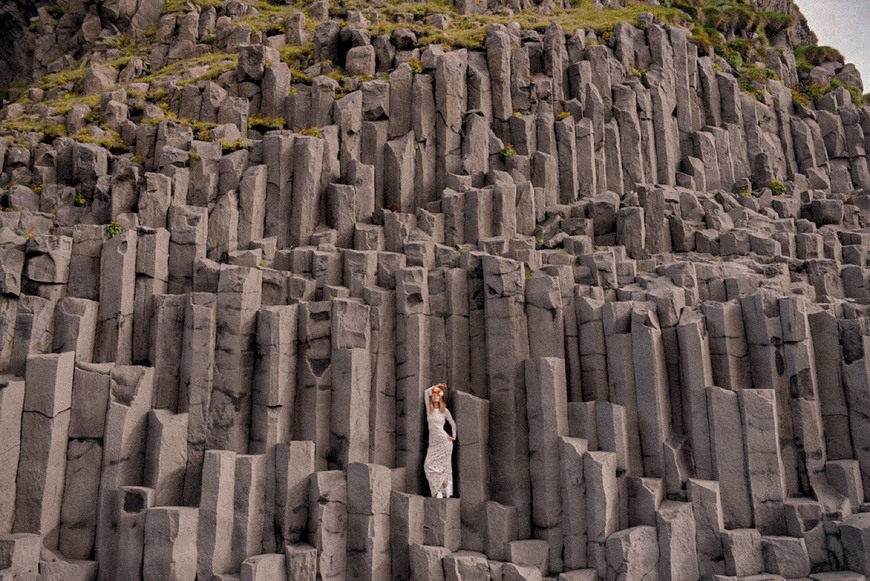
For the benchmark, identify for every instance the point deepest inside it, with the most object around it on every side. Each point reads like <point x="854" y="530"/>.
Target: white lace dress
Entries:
<point x="437" y="466"/>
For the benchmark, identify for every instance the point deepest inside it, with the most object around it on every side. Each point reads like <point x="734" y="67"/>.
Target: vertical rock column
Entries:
<point x="507" y="348"/>
<point x="855" y="344"/>
<point x="764" y="467"/>
<point x="709" y="524"/>
<point x="825" y="332"/>
<point x="133" y="503"/>
<point x="573" y="483"/>
<point x="117" y="287"/>
<point x="230" y="406"/>
<point x="278" y="157"/>
<point x="547" y="410"/>
<point x="294" y="464"/>
<point x="152" y="276"/>
<point x="545" y="316"/>
<point x="305" y="209"/>
<point x="78" y="517"/>
<point x="11" y="406"/>
<point x="423" y="121"/>
<point x="622" y="376"/>
<point x="188" y="241"/>
<point x="696" y="373"/>
<point x="728" y="348"/>
<point x="678" y="558"/>
<point x="215" y="526"/>
<point x="593" y="351"/>
<point x="75" y="325"/>
<point x="477" y="327"/>
<point x="450" y="100"/>
<point x="368" y="521"/>
<point x="34" y="321"/>
<point x="804" y="404"/>
<point x="167" y="326"/>
<point x="327" y="523"/>
<point x="42" y="461"/>
<point x="351" y="386"/>
<point x="314" y="378"/>
<point x="170" y="550"/>
<point x="651" y="379"/>
<point x="602" y="506"/>
<point x="251" y="474"/>
<point x="252" y="205"/>
<point x="472" y="479"/>
<point x="406" y="529"/>
<point x="382" y="308"/>
<point x="458" y="328"/>
<point x="123" y="455"/>
<point x="84" y="264"/>
<point x="274" y="388"/>
<point x="728" y="457"/>
<point x="166" y="456"/>
<point x="196" y="378"/>
<point x="766" y="356"/>
<point x="412" y="371"/>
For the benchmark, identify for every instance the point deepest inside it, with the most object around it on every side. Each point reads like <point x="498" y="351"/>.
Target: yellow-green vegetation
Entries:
<point x="201" y="68"/>
<point x="123" y="42"/>
<point x="811" y="56"/>
<point x="114" y="229"/>
<point x="269" y="20"/>
<point x="138" y="159"/>
<point x="753" y="79"/>
<point x="63" y="79"/>
<point x="184" y="5"/>
<point x="64" y="104"/>
<point x="469" y="31"/>
<point x="34" y="124"/>
<point x="298" y="56"/>
<point x="231" y="146"/>
<point x="263" y="124"/>
<point x="110" y="139"/>
<point x="202" y="129"/>
<point x="311" y="132"/>
<point x="734" y="17"/>
<point x="777" y="187"/>
<point x="80" y="200"/>
<point x="416" y="65"/>
<point x="508" y="151"/>
<point x="563" y="115"/>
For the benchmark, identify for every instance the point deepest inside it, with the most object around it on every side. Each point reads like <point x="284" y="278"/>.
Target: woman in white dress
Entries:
<point x="437" y="466"/>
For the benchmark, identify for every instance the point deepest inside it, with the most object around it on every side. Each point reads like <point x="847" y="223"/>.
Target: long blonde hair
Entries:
<point x="441" y="404"/>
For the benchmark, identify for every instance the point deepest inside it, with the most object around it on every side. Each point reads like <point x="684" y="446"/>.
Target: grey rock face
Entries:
<point x="646" y="291"/>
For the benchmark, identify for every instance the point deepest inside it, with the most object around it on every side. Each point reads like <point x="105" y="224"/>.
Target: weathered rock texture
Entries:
<point x="654" y="377"/>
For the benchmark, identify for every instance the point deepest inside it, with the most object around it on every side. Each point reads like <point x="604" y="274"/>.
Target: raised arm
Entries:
<point x="428" y="393"/>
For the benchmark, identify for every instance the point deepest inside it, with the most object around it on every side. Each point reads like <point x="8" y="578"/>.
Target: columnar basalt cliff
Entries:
<point x="241" y="239"/>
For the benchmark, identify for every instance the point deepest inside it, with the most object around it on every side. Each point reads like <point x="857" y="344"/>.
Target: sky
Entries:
<point x="843" y="24"/>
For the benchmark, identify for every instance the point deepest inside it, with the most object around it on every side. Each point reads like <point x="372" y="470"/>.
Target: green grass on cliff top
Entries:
<point x="715" y="25"/>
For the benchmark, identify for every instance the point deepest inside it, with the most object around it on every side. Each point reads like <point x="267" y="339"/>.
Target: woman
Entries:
<point x="439" y="471"/>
